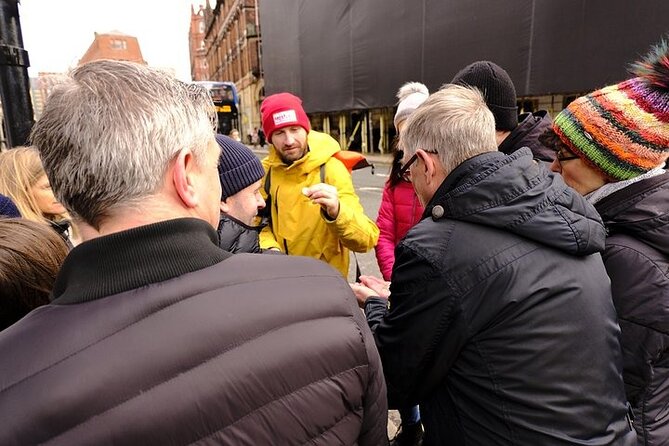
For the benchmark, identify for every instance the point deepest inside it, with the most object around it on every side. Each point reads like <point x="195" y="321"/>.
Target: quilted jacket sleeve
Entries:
<point x="385" y="248"/>
<point x="374" y="424"/>
<point x="640" y="288"/>
<point x="421" y="333"/>
<point x="356" y="231"/>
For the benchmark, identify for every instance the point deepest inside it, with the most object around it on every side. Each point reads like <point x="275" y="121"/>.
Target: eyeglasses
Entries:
<point x="404" y="173"/>
<point x="563" y="154"/>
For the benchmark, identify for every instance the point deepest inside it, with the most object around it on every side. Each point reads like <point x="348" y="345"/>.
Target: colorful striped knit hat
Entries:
<point x="623" y="130"/>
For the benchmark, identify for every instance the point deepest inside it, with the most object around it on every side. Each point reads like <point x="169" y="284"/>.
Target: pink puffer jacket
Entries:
<point x="399" y="211"/>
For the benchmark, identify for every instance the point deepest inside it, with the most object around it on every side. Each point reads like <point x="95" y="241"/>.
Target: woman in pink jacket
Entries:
<point x="399" y="211"/>
<point x="400" y="208"/>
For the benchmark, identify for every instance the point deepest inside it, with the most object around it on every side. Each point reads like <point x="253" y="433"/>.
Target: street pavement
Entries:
<point x="369" y="187"/>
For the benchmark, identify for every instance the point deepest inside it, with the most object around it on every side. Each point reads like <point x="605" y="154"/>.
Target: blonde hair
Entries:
<point x="20" y="169"/>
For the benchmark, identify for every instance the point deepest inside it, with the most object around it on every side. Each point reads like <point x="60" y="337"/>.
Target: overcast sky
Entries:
<point x="57" y="33"/>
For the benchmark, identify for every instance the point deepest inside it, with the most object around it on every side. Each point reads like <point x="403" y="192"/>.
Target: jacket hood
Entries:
<point x="321" y="149"/>
<point x="516" y="194"/>
<point x="640" y="210"/>
<point x="531" y="126"/>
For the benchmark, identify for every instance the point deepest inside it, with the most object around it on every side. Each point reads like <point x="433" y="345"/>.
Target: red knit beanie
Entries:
<point x="282" y="110"/>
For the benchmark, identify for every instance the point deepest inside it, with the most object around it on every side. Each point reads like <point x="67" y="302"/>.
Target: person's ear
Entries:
<point x="183" y="177"/>
<point x="428" y="164"/>
<point x="225" y="207"/>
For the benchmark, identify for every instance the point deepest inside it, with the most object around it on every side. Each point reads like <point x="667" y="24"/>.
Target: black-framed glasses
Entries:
<point x="563" y="154"/>
<point x="404" y="170"/>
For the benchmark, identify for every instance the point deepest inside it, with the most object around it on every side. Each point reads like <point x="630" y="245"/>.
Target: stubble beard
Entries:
<point x="289" y="159"/>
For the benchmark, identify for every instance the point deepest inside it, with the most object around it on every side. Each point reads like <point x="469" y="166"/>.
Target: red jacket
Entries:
<point x="399" y="211"/>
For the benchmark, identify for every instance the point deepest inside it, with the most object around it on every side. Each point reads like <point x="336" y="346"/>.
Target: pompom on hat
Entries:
<point x="238" y="167"/>
<point x="410" y="96"/>
<point x="623" y="130"/>
<point x="282" y="110"/>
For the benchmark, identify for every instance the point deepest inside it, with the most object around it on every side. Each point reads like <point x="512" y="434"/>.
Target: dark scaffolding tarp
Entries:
<point x="354" y="54"/>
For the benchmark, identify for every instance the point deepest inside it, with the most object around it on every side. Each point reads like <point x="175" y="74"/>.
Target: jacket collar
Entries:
<point x="616" y="202"/>
<point x="134" y="258"/>
<point x="531" y="126"/>
<point x="460" y="175"/>
<point x="640" y="211"/>
<point x="515" y="194"/>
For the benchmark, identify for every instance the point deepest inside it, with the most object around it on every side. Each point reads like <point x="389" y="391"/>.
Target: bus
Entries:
<point x="226" y="101"/>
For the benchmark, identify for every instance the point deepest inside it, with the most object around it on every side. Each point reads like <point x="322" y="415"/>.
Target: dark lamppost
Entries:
<point x="14" y="81"/>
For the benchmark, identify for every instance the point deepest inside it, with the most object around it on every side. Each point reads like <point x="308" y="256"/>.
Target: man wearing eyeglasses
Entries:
<point x="499" y="320"/>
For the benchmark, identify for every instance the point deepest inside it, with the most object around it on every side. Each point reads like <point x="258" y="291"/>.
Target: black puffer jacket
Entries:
<point x="236" y="237"/>
<point x="157" y="336"/>
<point x="501" y="323"/>
<point x="530" y="127"/>
<point x="637" y="260"/>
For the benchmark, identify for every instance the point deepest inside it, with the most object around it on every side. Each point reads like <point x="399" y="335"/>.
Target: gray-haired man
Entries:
<point x="501" y="323"/>
<point x="155" y="335"/>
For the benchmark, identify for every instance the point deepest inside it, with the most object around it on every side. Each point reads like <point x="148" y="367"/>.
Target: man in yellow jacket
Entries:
<point x="314" y="210"/>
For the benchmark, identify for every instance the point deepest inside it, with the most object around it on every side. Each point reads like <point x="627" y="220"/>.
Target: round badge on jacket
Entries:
<point x="437" y="212"/>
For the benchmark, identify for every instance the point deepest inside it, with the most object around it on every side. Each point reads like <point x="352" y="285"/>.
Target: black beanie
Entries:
<point x="497" y="88"/>
<point x="238" y="167"/>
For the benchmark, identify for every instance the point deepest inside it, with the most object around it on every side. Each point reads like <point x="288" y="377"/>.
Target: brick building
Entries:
<point x="229" y="41"/>
<point x="113" y="45"/>
<point x="198" y="59"/>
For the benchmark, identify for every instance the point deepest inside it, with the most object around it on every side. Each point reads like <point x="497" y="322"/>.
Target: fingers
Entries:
<point x="320" y="190"/>
<point x="324" y="195"/>
<point x="372" y="282"/>
<point x="362" y="293"/>
<point x="380" y="287"/>
<point x="367" y="280"/>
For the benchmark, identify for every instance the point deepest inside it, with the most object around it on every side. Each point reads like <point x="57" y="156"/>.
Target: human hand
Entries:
<point x="326" y="196"/>
<point x="379" y="286"/>
<point x="362" y="293"/>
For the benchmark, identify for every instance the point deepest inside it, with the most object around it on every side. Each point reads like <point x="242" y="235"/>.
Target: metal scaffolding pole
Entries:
<point x="14" y="81"/>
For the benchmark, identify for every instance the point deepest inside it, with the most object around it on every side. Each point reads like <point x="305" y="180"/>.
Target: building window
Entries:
<point x="527" y="105"/>
<point x="117" y="44"/>
<point x="202" y="27"/>
<point x="251" y="30"/>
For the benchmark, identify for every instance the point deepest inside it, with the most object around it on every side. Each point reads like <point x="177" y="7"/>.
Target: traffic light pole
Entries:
<point x="14" y="81"/>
